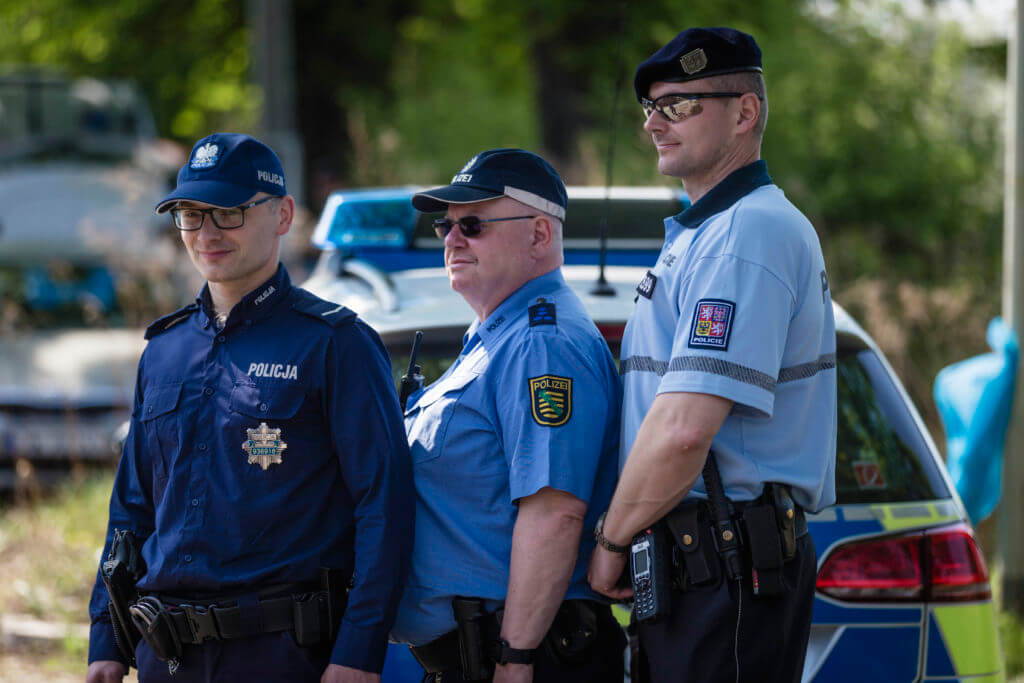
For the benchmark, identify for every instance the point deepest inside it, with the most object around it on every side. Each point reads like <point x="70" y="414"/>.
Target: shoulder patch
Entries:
<point x="551" y="400"/>
<point x="168" y="321"/>
<point x="712" y="324"/>
<point x="542" y="313"/>
<point x="327" y="312"/>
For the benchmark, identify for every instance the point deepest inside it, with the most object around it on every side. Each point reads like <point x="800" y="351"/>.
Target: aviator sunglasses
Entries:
<point x="471" y="226"/>
<point x="677" y="106"/>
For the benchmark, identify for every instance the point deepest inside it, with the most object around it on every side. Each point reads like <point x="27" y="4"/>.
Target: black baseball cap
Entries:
<point x="227" y="169"/>
<point x="514" y="173"/>
<point x="699" y="53"/>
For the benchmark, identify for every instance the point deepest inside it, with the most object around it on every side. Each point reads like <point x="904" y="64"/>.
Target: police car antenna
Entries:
<point x="601" y="287"/>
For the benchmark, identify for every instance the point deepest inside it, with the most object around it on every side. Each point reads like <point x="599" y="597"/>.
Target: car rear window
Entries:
<point x="881" y="456"/>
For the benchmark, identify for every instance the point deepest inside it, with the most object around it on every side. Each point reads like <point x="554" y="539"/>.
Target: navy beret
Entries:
<point x="699" y="53"/>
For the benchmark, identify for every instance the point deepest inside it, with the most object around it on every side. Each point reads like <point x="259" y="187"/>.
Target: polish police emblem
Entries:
<point x="205" y="156"/>
<point x="712" y="324"/>
<point x="551" y="400"/>
<point x="264" y="446"/>
<point x="693" y="61"/>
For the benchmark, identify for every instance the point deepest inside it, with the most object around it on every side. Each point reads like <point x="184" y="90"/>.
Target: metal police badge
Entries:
<point x="264" y="446"/>
<point x="551" y="400"/>
<point x="693" y="61"/>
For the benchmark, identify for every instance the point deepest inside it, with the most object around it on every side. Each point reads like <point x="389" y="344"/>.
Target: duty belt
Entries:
<point x="195" y="623"/>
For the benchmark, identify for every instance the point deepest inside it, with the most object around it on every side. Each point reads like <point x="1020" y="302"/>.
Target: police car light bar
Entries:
<point x="367" y="218"/>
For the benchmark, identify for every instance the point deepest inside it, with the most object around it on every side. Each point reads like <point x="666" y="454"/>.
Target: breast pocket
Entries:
<point x="428" y="420"/>
<point x="277" y="426"/>
<point x="159" y="417"/>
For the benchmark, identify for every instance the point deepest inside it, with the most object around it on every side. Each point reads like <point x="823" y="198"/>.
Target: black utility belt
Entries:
<point x="475" y="645"/>
<point x="697" y="544"/>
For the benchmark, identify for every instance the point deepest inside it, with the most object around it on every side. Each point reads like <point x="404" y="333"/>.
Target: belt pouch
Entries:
<point x="699" y="559"/>
<point x="785" y="513"/>
<point x="572" y="632"/>
<point x="308" y="612"/>
<point x="161" y="636"/>
<point x="469" y="617"/>
<point x="765" y="550"/>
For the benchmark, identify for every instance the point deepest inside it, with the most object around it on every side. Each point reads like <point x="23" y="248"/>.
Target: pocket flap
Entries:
<point x="457" y="381"/>
<point x="256" y="400"/>
<point x="160" y="400"/>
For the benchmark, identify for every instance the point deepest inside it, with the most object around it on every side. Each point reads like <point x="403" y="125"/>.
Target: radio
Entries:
<point x="650" y="564"/>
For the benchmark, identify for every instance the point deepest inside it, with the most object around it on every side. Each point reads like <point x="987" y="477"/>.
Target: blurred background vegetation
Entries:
<point x="885" y="129"/>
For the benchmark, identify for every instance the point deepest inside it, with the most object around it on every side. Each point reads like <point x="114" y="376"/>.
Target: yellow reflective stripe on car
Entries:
<point x="621" y="615"/>
<point x="972" y="639"/>
<point x="899" y="516"/>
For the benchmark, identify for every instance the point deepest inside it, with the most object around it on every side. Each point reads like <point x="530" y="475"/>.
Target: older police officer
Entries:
<point x="266" y="443"/>
<point x="514" y="447"/>
<point x="731" y="348"/>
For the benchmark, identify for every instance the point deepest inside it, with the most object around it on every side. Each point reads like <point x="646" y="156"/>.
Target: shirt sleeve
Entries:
<point x="368" y="436"/>
<point x="551" y="402"/>
<point x="734" y="316"/>
<point x="131" y="507"/>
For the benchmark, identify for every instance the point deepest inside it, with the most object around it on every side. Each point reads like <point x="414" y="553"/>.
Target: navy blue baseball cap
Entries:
<point x="698" y="53"/>
<point x="514" y="173"/>
<point x="227" y="169"/>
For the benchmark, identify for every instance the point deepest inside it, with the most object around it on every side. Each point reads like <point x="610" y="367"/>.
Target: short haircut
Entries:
<point x="746" y="81"/>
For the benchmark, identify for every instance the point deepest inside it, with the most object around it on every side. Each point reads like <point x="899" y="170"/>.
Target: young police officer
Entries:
<point x="731" y="348"/>
<point x="266" y="444"/>
<point x="514" y="447"/>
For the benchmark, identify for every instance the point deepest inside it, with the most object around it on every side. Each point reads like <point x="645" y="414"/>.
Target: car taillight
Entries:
<point x="611" y="332"/>
<point x="938" y="565"/>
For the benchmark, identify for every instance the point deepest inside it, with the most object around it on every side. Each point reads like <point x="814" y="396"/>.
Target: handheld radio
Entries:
<point x="650" y="563"/>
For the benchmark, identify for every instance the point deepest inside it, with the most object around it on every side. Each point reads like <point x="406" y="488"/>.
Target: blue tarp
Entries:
<point x="974" y="398"/>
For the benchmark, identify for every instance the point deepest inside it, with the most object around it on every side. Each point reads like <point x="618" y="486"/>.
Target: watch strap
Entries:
<point x="510" y="655"/>
<point x="603" y="541"/>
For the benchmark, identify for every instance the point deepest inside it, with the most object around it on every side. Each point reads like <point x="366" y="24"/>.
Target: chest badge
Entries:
<point x="264" y="446"/>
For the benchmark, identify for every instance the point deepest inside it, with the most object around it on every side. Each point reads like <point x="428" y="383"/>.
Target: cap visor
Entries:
<point x="213" y="192"/>
<point x="439" y="198"/>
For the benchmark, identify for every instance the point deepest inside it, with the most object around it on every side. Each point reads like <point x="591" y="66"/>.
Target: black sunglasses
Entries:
<point x="471" y="226"/>
<point x="677" y="106"/>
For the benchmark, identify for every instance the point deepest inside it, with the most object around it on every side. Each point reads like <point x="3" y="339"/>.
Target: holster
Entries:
<point x="471" y="620"/>
<point x="771" y="532"/>
<point x="119" y="572"/>
<point x="573" y="632"/>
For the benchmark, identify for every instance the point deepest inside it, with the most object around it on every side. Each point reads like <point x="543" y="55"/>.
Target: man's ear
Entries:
<point x="542" y="234"/>
<point x="749" y="110"/>
<point x="285" y="214"/>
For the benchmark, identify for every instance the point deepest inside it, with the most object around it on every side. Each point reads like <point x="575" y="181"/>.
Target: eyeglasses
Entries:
<point x="471" y="226"/>
<point x="188" y="218"/>
<point x="677" y="106"/>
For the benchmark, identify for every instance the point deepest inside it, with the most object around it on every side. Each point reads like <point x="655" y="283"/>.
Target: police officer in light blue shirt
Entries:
<point x="266" y="446"/>
<point x="514" y="448"/>
<point x="730" y="349"/>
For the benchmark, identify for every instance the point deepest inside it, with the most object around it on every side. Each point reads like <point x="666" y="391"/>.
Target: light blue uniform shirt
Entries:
<point x="532" y="401"/>
<point x="738" y="306"/>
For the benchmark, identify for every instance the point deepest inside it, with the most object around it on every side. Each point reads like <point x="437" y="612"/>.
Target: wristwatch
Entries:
<point x="510" y="655"/>
<point x="604" y="542"/>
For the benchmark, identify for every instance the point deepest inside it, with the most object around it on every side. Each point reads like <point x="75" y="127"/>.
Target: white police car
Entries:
<point x="903" y="591"/>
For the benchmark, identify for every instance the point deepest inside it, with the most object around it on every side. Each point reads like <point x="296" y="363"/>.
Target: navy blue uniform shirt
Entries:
<point x="259" y="453"/>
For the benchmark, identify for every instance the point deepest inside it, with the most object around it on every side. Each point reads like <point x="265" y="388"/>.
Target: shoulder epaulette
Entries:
<point x="168" y="321"/>
<point x="325" y="311"/>
<point x="542" y="313"/>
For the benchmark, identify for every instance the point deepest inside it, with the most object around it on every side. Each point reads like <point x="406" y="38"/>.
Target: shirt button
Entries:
<point x="150" y="409"/>
<point x="208" y="391"/>
<point x="188" y="558"/>
<point x="195" y="502"/>
<point x="202" y="446"/>
<point x="263" y="407"/>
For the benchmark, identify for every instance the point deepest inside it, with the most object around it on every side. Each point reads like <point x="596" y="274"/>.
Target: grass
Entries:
<point x="50" y="548"/>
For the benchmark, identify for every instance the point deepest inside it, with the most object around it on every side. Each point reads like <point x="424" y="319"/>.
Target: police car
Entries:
<point x="903" y="592"/>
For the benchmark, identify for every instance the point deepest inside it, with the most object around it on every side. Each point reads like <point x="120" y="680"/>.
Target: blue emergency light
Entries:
<point x="367" y="218"/>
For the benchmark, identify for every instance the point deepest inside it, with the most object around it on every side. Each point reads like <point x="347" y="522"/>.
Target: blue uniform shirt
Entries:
<point x="738" y="306"/>
<point x="532" y="401"/>
<point x="225" y="502"/>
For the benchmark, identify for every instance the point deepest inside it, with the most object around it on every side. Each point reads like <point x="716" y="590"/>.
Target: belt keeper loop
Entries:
<point x="251" y="617"/>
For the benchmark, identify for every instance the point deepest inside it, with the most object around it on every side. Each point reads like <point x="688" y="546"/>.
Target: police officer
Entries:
<point x="266" y="443"/>
<point x="514" y="448"/>
<point x="730" y="349"/>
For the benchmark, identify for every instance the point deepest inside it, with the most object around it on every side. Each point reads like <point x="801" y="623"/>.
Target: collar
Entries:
<point x="730" y="190"/>
<point x="255" y="305"/>
<point x="516" y="306"/>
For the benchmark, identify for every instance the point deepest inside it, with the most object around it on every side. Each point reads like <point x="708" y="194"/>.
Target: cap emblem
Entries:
<point x="693" y="61"/>
<point x="462" y="178"/>
<point x="205" y="156"/>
